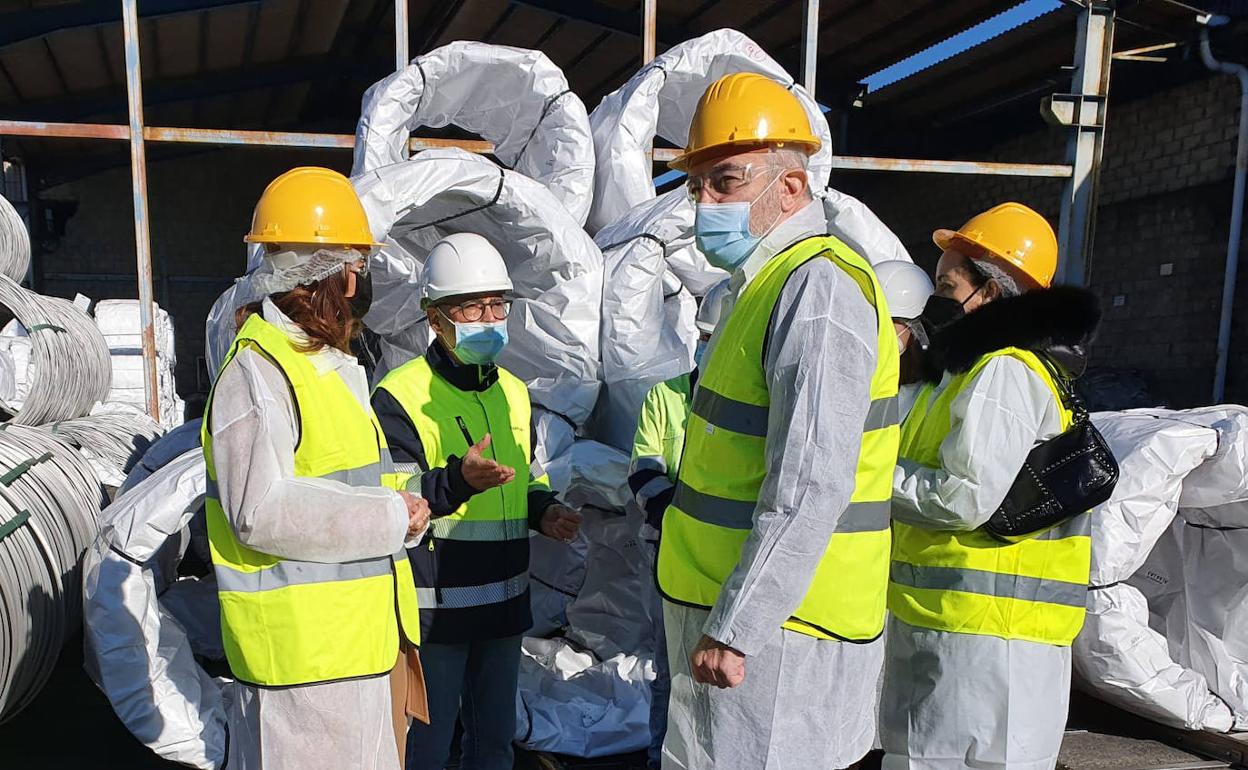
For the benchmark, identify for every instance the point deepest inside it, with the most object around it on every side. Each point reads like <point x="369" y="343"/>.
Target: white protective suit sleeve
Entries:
<point x="819" y="358"/>
<point x="272" y="510"/>
<point x="995" y="422"/>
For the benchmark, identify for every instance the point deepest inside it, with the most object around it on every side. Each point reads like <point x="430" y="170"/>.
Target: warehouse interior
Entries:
<point x="234" y="92"/>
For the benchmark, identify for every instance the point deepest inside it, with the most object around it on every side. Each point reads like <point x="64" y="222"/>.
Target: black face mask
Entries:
<point x="362" y="300"/>
<point x="939" y="312"/>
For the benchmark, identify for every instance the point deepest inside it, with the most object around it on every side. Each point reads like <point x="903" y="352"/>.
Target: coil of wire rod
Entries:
<point x="114" y="440"/>
<point x="14" y="242"/>
<point x="70" y="367"/>
<point x="50" y="504"/>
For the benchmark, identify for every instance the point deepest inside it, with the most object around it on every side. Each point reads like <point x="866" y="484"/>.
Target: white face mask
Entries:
<point x="902" y="340"/>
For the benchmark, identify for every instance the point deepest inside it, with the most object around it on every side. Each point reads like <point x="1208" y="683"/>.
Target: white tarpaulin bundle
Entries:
<point x="1167" y="624"/>
<point x="555" y="268"/>
<point x="138" y="649"/>
<point x="515" y="98"/>
<point x="660" y="100"/>
<point x="586" y="692"/>
<point x="14" y="242"/>
<point x="120" y="321"/>
<point x="219" y="327"/>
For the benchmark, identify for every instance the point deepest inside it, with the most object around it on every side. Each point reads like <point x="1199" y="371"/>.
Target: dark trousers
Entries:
<point x="477" y="682"/>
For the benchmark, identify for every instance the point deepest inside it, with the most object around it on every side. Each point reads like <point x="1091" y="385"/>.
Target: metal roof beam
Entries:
<point x="76" y="107"/>
<point x="24" y="25"/>
<point x="622" y="22"/>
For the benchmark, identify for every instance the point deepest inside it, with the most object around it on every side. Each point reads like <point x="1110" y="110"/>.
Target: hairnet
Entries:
<point x="274" y="277"/>
<point x="990" y="271"/>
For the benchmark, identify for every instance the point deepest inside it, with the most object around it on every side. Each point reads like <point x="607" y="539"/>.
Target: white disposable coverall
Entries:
<point x="805" y="702"/>
<point x="337" y="725"/>
<point x="951" y="700"/>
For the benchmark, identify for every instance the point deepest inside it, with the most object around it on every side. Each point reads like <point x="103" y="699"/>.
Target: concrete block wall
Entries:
<point x="200" y="206"/>
<point x="1161" y="228"/>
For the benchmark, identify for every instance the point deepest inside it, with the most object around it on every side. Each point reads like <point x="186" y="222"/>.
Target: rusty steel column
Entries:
<point x="649" y="18"/>
<point x="138" y="176"/>
<point x="400" y="34"/>
<point x="810" y="46"/>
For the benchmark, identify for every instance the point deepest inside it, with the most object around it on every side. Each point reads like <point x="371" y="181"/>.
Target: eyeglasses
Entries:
<point x="474" y="309"/>
<point x="724" y="180"/>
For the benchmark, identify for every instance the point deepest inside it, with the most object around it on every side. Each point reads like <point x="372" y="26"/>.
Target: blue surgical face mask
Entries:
<point x="723" y="230"/>
<point x="480" y="343"/>
<point x="699" y="352"/>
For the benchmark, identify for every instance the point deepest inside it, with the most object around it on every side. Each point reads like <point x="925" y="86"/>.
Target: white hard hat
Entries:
<point x="906" y="287"/>
<point x="464" y="263"/>
<point x="711" y="308"/>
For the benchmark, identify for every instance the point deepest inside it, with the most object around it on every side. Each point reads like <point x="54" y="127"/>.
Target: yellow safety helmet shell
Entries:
<point x="311" y="205"/>
<point x="1015" y="235"/>
<point x="746" y="108"/>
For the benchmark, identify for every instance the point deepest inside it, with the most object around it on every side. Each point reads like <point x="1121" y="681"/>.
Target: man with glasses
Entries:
<point x="774" y="558"/>
<point x="458" y="428"/>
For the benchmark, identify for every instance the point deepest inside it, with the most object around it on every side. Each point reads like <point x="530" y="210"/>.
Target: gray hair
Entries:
<point x="789" y="158"/>
<point x="991" y="271"/>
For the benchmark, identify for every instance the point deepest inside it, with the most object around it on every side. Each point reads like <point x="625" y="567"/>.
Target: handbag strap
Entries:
<point x="1065" y="389"/>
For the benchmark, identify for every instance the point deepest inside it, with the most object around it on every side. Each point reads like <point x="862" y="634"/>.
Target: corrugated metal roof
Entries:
<point x="304" y="64"/>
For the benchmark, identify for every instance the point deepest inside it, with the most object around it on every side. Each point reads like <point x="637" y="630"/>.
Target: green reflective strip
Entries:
<point x="460" y="597"/>
<point x="865" y="517"/>
<point x="730" y="414"/>
<point x="448" y="528"/>
<point x="998" y="584"/>
<point x="10" y="526"/>
<point x="884" y="413"/>
<point x="16" y="472"/>
<point x="288" y="572"/>
<point x="709" y="509"/>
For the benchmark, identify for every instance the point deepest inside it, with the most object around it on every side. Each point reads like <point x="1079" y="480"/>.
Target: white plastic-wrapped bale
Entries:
<point x="120" y="321"/>
<point x="1118" y="655"/>
<point x="660" y="100"/>
<point x="14" y="242"/>
<point x="555" y="268"/>
<point x="145" y="625"/>
<point x="513" y="97"/>
<point x="68" y="370"/>
<point x="49" y="513"/>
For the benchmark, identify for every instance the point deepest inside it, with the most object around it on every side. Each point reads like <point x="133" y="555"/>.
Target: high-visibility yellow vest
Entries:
<point x="660" y="436"/>
<point x="971" y="582"/>
<point x="288" y="622"/>
<point x="446" y="418"/>
<point x="724" y="465"/>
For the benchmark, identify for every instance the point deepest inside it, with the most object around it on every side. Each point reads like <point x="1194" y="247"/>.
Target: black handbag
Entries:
<point x="1063" y="477"/>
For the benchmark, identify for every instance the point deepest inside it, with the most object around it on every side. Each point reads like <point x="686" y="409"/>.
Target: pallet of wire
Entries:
<point x="54" y="362"/>
<point x="50" y="501"/>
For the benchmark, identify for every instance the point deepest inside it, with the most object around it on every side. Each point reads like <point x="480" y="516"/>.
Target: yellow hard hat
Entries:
<point x="746" y="108"/>
<point x="1013" y="233"/>
<point x="311" y="205"/>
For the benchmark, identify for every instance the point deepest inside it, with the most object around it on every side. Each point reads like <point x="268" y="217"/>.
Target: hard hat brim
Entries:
<point x="250" y="238"/>
<point x="947" y="239"/>
<point x="683" y="161"/>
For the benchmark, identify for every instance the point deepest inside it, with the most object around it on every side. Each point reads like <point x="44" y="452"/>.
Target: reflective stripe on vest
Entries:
<point x="288" y="622"/>
<point x="441" y="413"/>
<point x="724" y="465"/>
<point x="971" y="582"/>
